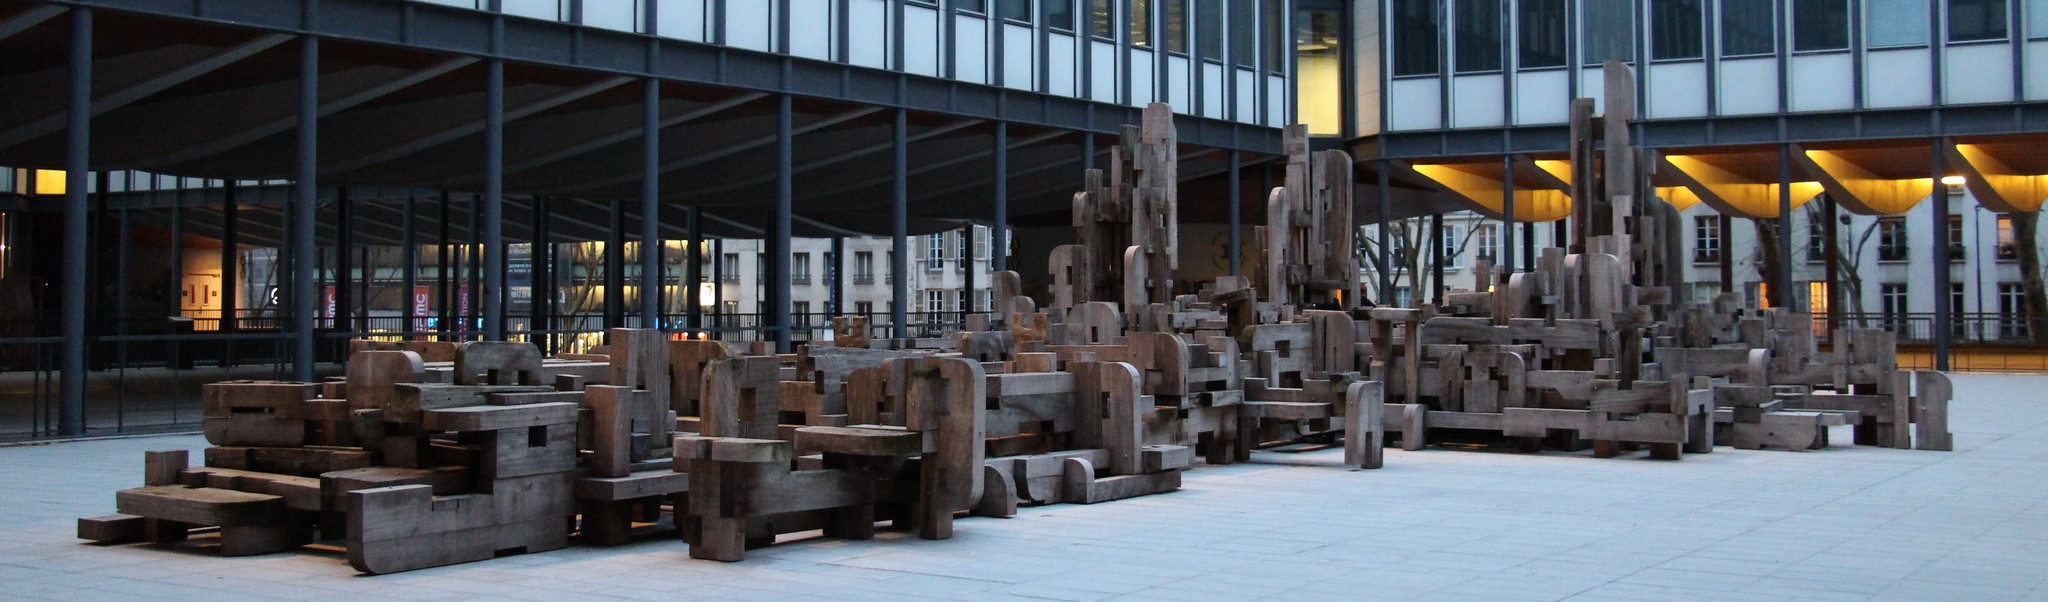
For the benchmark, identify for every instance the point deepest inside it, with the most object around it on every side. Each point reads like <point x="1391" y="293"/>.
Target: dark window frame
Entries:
<point x="1664" y="21"/>
<point x="1559" y="17"/>
<point x="1472" y="42"/>
<point x="1426" y="25"/>
<point x="2003" y="22"/>
<point x="1800" y="18"/>
<point x="1768" y="34"/>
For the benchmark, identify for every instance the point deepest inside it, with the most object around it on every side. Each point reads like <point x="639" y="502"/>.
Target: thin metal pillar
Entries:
<point x="967" y="269"/>
<point x="1727" y="254"/>
<point x="1944" y="315"/>
<point x="539" y="268"/>
<point x="693" y="272"/>
<point x="899" y="216"/>
<point x="409" y="275"/>
<point x="997" y="232"/>
<point x="494" y="188"/>
<point x="718" y="288"/>
<point x="785" y="187"/>
<point x="444" y="272"/>
<point x="1782" y="289"/>
<point x="1829" y="230"/>
<point x="230" y="262"/>
<point x="836" y="266"/>
<point x="651" y="250"/>
<point x="78" y="137"/>
<point x="1382" y="263"/>
<point x="344" y="263"/>
<point x="1507" y="222"/>
<point x="1528" y="246"/>
<point x="1232" y="250"/>
<point x="615" y="270"/>
<point x="1436" y="258"/>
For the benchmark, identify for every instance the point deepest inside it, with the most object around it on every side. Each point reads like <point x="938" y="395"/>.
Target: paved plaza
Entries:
<point x="1844" y="523"/>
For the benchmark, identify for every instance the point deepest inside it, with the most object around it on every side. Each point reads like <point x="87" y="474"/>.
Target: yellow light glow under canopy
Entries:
<point x="1484" y="193"/>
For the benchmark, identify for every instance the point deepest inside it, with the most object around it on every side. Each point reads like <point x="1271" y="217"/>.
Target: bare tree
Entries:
<point x="2026" y="229"/>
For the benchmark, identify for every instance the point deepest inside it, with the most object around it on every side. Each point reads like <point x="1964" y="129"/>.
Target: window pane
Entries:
<point x="1141" y="23"/>
<point x="1540" y="26"/>
<point x="1416" y="43"/>
<point x="1101" y="19"/>
<point x="1478" y="23"/>
<point x="1016" y="10"/>
<point x="1675" y="30"/>
<point x="1272" y="40"/>
<point x="1746" y="28"/>
<point x="1820" y="25"/>
<point x="972" y="6"/>
<point x="1209" y="28"/>
<point x="1059" y="14"/>
<point x="2037" y="17"/>
<point x="1976" y="20"/>
<point x="1896" y="23"/>
<point x="1610" y="31"/>
<point x="1320" y="80"/>
<point x="1242" y="22"/>
<point x="1177" y="25"/>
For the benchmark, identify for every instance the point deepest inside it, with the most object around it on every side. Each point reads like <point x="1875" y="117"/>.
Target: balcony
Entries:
<point x="2007" y="252"/>
<point x="1891" y="252"/>
<point x="1706" y="256"/>
<point x="729" y="278"/>
<point x="800" y="280"/>
<point x="863" y="278"/>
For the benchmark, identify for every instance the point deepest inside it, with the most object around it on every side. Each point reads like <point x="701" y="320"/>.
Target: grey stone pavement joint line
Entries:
<point x="1840" y="524"/>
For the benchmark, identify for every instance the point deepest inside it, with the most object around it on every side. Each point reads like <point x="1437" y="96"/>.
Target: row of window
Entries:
<point x="1708" y="241"/>
<point x="1678" y="29"/>
<point x="1246" y="19"/>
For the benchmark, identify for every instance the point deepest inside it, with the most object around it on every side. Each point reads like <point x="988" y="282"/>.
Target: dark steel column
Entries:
<point x="230" y="242"/>
<point x="718" y="288"/>
<point x="344" y="263"/>
<point x="899" y="216"/>
<point x="1436" y="254"/>
<point x="837" y="267"/>
<point x="409" y="275"/>
<point x="693" y="272"/>
<point x="539" y="268"/>
<point x="778" y="265"/>
<point x="1943" y="314"/>
<point x="493" y="217"/>
<point x="1834" y="262"/>
<point x="1782" y="289"/>
<point x="615" y="270"/>
<point x="1384" y="261"/>
<point x="305" y="200"/>
<point x="1507" y="211"/>
<point x="650" y="206"/>
<point x="1528" y="246"/>
<point x="1234" y="214"/>
<point x="1727" y="255"/>
<point x="78" y="137"/>
<point x="444" y="273"/>
<point x="997" y="259"/>
<point x="967" y="270"/>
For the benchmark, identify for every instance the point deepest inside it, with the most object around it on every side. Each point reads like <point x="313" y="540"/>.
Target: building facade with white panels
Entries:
<point x="1221" y="59"/>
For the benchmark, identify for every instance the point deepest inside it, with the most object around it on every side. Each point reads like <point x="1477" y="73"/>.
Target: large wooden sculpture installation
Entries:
<point x="427" y="454"/>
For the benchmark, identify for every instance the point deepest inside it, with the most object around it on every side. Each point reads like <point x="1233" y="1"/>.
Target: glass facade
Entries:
<point x="1746" y="28"/>
<point x="1975" y="20"/>
<point x="1820" y="25"/>
<point x="1676" y="30"/>
<point x="1318" y="57"/>
<point x="1416" y="29"/>
<point x="1889" y="23"/>
<point x="1540" y="29"/>
<point x="1479" y="30"/>
<point x="1610" y="31"/>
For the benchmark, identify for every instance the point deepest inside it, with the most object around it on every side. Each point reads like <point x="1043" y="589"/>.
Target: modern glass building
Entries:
<point x="205" y="189"/>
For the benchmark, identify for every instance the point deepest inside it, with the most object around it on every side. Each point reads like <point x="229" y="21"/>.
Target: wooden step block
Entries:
<point x="112" y="528"/>
<point x="859" y="441"/>
<point x="495" y="418"/>
<point x="1162" y="458"/>
<point x="200" y="505"/>
<point x="1286" y="410"/>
